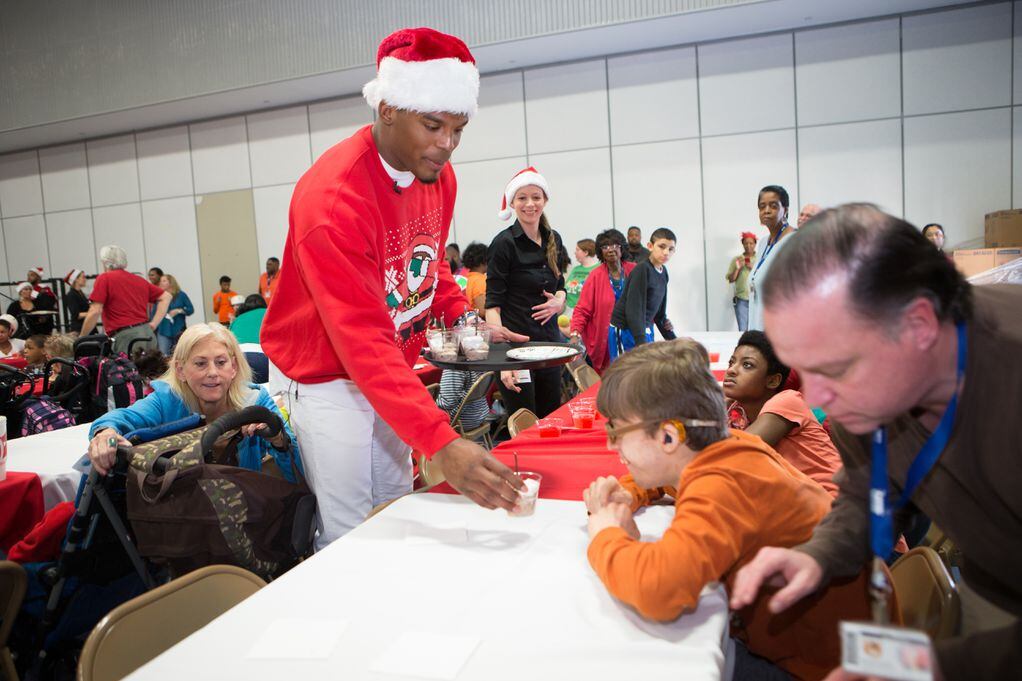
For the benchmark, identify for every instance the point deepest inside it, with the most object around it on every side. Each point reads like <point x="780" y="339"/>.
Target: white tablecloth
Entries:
<point x="517" y="593"/>
<point x="51" y="456"/>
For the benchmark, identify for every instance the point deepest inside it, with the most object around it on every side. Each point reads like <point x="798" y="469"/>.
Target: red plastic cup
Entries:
<point x="714" y="357"/>
<point x="719" y="374"/>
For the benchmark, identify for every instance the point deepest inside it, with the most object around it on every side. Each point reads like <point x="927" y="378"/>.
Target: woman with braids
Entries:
<point x="525" y="288"/>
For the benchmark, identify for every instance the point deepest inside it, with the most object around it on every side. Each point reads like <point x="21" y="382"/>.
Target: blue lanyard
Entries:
<point x="770" y="246"/>
<point x="617" y="286"/>
<point x="880" y="512"/>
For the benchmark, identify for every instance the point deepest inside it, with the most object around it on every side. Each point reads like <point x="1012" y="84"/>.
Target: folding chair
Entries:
<point x="137" y="631"/>
<point x="519" y="421"/>
<point x="13" y="582"/>
<point x="585" y="376"/>
<point x="926" y="593"/>
<point x="476" y="392"/>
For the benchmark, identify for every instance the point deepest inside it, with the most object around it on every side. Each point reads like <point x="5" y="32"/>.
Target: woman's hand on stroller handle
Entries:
<point x="265" y="431"/>
<point x="103" y="449"/>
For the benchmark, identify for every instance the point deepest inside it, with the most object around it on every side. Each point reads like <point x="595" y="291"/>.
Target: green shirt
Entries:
<point x="246" y="327"/>
<point x="573" y="283"/>
<point x="742" y="282"/>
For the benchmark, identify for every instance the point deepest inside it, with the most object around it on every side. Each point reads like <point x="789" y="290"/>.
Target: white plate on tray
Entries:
<point x="535" y="353"/>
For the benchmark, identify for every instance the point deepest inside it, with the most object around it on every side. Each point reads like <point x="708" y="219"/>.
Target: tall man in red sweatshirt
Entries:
<point x="363" y="272"/>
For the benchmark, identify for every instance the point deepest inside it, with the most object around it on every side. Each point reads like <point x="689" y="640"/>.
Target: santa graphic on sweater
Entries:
<point x="409" y="297"/>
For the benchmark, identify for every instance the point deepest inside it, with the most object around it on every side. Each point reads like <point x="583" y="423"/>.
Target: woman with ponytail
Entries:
<point x="525" y="288"/>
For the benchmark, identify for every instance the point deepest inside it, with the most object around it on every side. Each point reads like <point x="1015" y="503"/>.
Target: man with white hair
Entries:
<point x="808" y="212"/>
<point x="122" y="299"/>
<point x="362" y="276"/>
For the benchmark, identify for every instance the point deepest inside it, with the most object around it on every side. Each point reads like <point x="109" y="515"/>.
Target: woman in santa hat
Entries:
<point x="525" y="288"/>
<point x="21" y="309"/>
<point x="75" y="301"/>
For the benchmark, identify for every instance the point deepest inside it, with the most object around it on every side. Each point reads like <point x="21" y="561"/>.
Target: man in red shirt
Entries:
<point x="363" y="274"/>
<point x="268" y="279"/>
<point x="123" y="299"/>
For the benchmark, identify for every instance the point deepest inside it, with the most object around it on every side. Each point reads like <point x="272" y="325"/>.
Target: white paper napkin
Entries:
<point x="298" y="639"/>
<point x="425" y="655"/>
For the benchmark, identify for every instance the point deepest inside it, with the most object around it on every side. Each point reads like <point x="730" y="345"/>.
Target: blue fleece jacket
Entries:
<point x="164" y="406"/>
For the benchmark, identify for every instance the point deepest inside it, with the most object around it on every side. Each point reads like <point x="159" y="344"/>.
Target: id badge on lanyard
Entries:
<point x="881" y="525"/>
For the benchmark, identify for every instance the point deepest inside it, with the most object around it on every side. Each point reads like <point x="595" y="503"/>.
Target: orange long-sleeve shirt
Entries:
<point x="737" y="496"/>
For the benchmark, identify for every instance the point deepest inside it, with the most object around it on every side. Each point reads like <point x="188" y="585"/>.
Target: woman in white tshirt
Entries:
<point x="9" y="347"/>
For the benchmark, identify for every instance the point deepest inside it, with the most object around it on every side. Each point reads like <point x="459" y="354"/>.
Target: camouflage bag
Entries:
<point x="200" y="512"/>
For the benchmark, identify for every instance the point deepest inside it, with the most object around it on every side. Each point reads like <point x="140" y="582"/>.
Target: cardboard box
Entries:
<point x="1003" y="229"/>
<point x="975" y="260"/>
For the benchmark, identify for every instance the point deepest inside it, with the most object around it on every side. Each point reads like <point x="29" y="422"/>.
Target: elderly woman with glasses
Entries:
<point x="590" y="321"/>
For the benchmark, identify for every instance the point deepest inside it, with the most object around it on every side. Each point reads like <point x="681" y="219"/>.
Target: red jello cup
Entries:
<point x="548" y="428"/>
<point x="582" y="420"/>
<point x="714" y="357"/>
<point x="719" y="374"/>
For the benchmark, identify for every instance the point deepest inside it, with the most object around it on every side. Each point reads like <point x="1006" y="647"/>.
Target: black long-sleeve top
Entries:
<point x="517" y="273"/>
<point x="644" y="301"/>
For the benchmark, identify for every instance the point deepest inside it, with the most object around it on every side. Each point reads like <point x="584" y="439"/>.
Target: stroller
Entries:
<point x="106" y="560"/>
<point x="16" y="386"/>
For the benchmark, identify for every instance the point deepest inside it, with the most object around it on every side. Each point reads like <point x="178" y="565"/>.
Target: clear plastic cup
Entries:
<point x="582" y="416"/>
<point x="442" y="345"/>
<point x="526" y="505"/>
<point x="549" y="427"/>
<point x="475" y="343"/>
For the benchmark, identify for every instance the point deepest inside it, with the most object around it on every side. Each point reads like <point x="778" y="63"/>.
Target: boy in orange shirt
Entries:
<point x="733" y="495"/>
<point x="222" y="306"/>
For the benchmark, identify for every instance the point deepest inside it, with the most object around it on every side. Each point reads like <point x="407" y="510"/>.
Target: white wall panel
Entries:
<point x="164" y="163"/>
<point x="735" y="168"/>
<point x="658" y="185"/>
<point x="121" y="226"/>
<point x="653" y="96"/>
<point x="113" y="172"/>
<point x="956" y="60"/>
<point x="580" y="186"/>
<point x="25" y="241"/>
<point x="834" y="67"/>
<point x="65" y="178"/>
<point x="1017" y="52"/>
<point x="498" y="130"/>
<point x="332" y="121"/>
<point x="279" y="145"/>
<point x="172" y="242"/>
<point x="852" y="162"/>
<point x="1016" y="146"/>
<point x="70" y="241"/>
<point x="20" y="189"/>
<point x="566" y="106"/>
<point x="957" y="169"/>
<point x="480" y="186"/>
<point x="271" y="220"/>
<point x="220" y="155"/>
<point x="747" y="85"/>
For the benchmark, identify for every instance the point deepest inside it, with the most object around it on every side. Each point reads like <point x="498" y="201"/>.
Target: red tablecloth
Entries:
<point x="428" y="373"/>
<point x="21" y="507"/>
<point x="568" y="463"/>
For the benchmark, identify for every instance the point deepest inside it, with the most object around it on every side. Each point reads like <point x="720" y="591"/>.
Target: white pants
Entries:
<point x="353" y="460"/>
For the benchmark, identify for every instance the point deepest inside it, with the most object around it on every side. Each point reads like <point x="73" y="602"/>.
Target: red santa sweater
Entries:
<point x="362" y="273"/>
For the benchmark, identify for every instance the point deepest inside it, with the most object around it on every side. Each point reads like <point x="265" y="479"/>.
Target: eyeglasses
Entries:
<point x="614" y="433"/>
<point x="609" y="247"/>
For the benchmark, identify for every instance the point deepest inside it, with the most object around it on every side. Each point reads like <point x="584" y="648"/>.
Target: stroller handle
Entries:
<point x="24" y="377"/>
<point x="253" y="414"/>
<point x="76" y="368"/>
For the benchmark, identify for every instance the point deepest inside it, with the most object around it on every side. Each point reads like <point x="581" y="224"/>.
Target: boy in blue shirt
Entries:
<point x="643" y="302"/>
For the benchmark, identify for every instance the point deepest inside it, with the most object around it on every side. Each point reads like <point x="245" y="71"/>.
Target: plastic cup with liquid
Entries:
<point x="549" y="427"/>
<point x="526" y="505"/>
